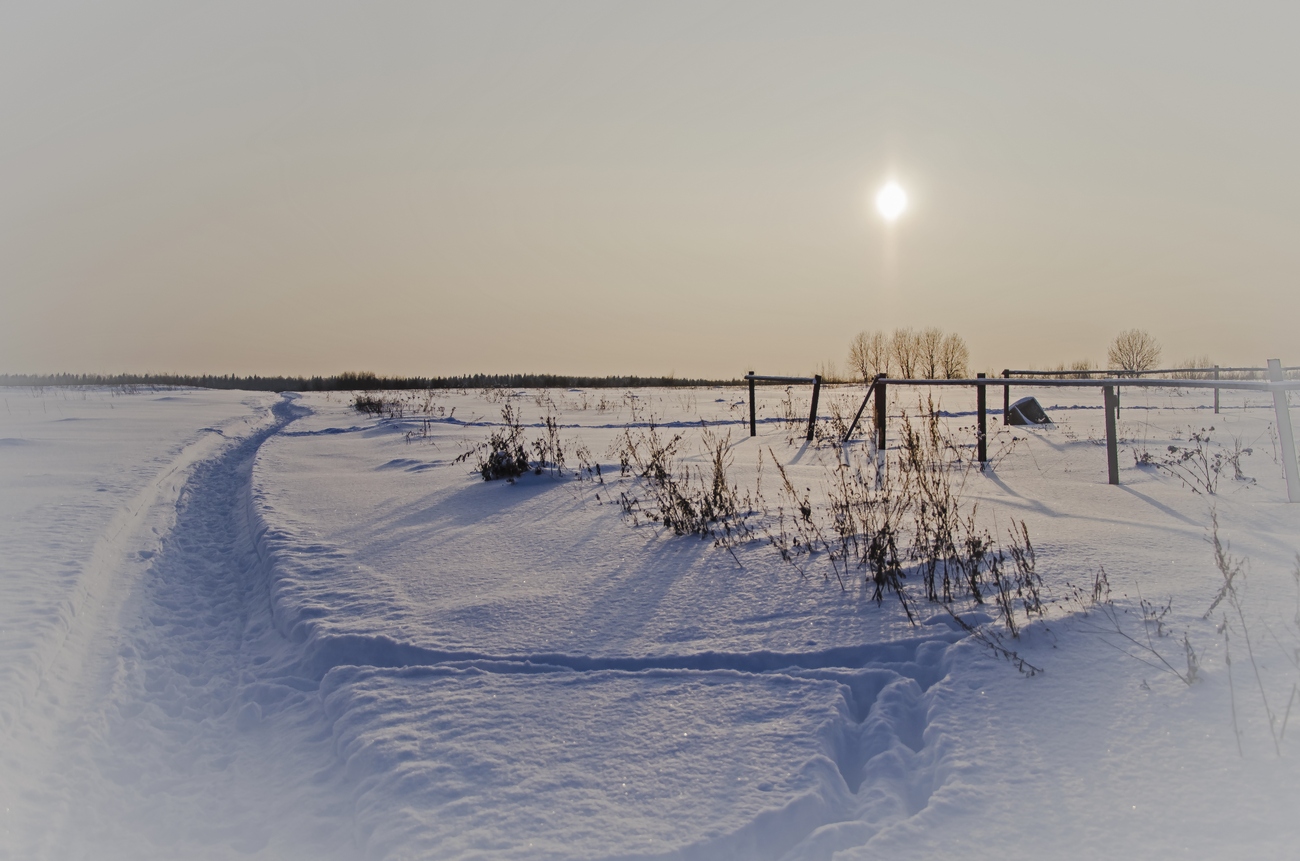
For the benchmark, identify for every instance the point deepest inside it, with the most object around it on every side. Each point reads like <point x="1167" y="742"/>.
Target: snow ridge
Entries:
<point x="324" y="652"/>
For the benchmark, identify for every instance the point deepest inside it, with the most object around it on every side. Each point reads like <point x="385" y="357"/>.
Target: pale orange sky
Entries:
<point x="610" y="188"/>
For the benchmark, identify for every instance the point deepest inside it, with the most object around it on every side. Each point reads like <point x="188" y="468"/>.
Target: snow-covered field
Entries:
<point x="241" y="624"/>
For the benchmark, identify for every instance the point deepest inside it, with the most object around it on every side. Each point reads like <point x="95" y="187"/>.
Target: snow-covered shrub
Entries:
<point x="1199" y="463"/>
<point x="549" y="448"/>
<point x="865" y="518"/>
<point x="393" y="407"/>
<point x="368" y="404"/>
<point x="835" y="427"/>
<point x="504" y="454"/>
<point x="934" y="473"/>
<point x="700" y="501"/>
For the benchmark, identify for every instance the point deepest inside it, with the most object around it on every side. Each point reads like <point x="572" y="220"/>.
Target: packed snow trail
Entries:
<point x="194" y="738"/>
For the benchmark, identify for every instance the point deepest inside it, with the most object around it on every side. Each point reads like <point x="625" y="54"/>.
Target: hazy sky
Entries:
<point x="439" y="188"/>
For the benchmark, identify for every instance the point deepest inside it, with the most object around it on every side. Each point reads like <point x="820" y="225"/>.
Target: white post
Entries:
<point x="1285" y="437"/>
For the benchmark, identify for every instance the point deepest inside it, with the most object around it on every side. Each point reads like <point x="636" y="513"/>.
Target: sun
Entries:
<point x="891" y="201"/>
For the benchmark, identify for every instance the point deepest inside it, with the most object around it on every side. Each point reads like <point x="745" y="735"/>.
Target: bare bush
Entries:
<point x="929" y="464"/>
<point x="1147" y="646"/>
<point x="883" y="522"/>
<point x="1230" y="592"/>
<point x="505" y="453"/>
<point x="1200" y="463"/>
<point x="702" y="501"/>
<point x="548" y="448"/>
<point x="368" y="404"/>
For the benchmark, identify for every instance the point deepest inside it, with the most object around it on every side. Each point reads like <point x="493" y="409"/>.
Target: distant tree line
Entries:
<point x="353" y="381"/>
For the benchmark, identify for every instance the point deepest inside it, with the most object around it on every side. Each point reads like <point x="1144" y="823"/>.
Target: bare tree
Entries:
<point x="1201" y="361"/>
<point x="881" y="353"/>
<point x="903" y="345"/>
<point x="954" y="356"/>
<point x="929" y="345"/>
<point x="928" y="354"/>
<point x="1134" y="350"/>
<point x="869" y="354"/>
<point x="828" y="371"/>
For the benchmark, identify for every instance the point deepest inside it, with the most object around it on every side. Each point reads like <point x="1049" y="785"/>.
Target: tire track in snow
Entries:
<point x="127" y="539"/>
<point x="203" y="741"/>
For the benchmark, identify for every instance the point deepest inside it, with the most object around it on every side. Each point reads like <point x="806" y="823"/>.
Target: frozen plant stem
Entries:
<point x="1230" y="569"/>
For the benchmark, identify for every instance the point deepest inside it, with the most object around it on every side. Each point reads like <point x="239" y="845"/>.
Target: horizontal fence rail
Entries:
<point x="769" y="379"/>
<point x="1250" y="385"/>
<point x="1102" y="373"/>
<point x="1212" y="373"/>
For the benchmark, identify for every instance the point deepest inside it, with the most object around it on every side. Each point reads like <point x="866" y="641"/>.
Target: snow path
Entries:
<point x="89" y="479"/>
<point x="159" y="750"/>
<point x="47" y="630"/>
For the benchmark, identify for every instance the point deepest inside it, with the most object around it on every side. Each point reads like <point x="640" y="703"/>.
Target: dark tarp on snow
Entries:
<point x="1027" y="411"/>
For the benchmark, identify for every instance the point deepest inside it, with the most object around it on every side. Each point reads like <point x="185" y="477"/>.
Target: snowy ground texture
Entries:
<point x="251" y="625"/>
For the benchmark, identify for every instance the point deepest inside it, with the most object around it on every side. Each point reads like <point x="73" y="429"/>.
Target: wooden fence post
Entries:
<point x="1285" y="437"/>
<point x="1216" y="391"/>
<point x="880" y="413"/>
<point x="753" y="415"/>
<point x="981" y="406"/>
<point x="1006" y="398"/>
<point x="1112" y="447"/>
<point x="812" y="417"/>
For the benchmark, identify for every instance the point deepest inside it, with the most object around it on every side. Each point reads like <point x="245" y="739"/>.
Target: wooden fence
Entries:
<point x="1211" y="373"/>
<point x="1110" y="386"/>
<point x="816" y="381"/>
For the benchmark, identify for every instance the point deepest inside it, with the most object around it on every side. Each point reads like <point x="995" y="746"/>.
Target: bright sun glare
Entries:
<point x="891" y="201"/>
